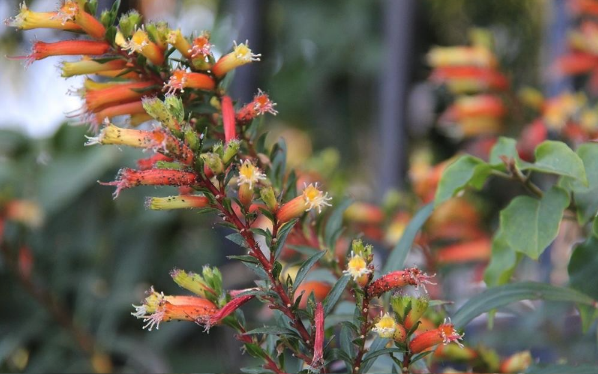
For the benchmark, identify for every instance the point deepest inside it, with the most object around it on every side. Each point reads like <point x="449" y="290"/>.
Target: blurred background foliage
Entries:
<point x="92" y="256"/>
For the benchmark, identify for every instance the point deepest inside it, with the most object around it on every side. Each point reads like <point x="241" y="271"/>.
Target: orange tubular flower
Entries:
<point x="260" y="105"/>
<point x="140" y="43"/>
<point x="128" y="178"/>
<point x="135" y="107"/>
<point x="181" y="79"/>
<point x="444" y="334"/>
<point x="177" y="40"/>
<point x="88" y="66"/>
<point x="201" y="52"/>
<point x="319" y="289"/>
<point x="364" y="213"/>
<point x="42" y="50"/>
<point x="70" y="11"/>
<point x="470" y="77"/>
<point x="158" y="308"/>
<point x="228" y="119"/>
<point x="311" y="198"/>
<point x="96" y="100"/>
<point x="476" y="250"/>
<point x="400" y="278"/>
<point x="240" y="56"/>
<point x="28" y="20"/>
<point x="156" y="140"/>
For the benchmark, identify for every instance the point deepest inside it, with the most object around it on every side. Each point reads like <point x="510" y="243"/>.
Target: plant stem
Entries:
<point x="365" y="327"/>
<point x="277" y="286"/>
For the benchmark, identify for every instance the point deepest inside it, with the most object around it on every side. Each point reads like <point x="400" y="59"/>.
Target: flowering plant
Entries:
<point x="214" y="152"/>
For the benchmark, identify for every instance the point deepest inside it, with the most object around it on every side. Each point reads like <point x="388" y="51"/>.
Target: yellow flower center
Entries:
<point x="385" y="327"/>
<point x="249" y="174"/>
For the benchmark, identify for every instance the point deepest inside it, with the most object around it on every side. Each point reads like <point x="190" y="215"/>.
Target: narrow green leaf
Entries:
<point x="269" y="330"/>
<point x="335" y="294"/>
<point x="238" y="239"/>
<point x="306" y="267"/>
<point x="334" y="223"/>
<point x="346" y="338"/>
<point x="496" y="297"/>
<point x="529" y="225"/>
<point x="282" y="236"/>
<point x="378" y="344"/>
<point x="399" y="253"/>
<point x="371" y="355"/>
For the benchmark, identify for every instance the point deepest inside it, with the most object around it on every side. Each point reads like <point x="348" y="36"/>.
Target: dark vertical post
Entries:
<point x="249" y="16"/>
<point x="399" y="22"/>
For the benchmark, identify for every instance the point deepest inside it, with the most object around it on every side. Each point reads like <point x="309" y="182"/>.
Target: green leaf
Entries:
<point x="334" y="224"/>
<point x="496" y="297"/>
<point x="371" y="355"/>
<point x="238" y="239"/>
<point x="244" y="258"/>
<point x="502" y="262"/>
<point x="346" y="338"/>
<point x="282" y="236"/>
<point x="465" y="171"/>
<point x="306" y="267"/>
<point x="269" y="330"/>
<point x="399" y="253"/>
<point x="529" y="225"/>
<point x="378" y="344"/>
<point x="557" y="158"/>
<point x="586" y="197"/>
<point x="506" y="147"/>
<point x="335" y="294"/>
<point x="562" y="369"/>
<point x="583" y="275"/>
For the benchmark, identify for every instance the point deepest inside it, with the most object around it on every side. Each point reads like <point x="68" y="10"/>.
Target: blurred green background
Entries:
<point x="323" y="62"/>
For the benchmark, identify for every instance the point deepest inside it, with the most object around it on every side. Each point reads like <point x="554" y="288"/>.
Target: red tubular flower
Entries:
<point x="400" y="278"/>
<point x="228" y="118"/>
<point x="318" y="359"/>
<point x="42" y="50"/>
<point x="226" y="310"/>
<point x="128" y="178"/>
<point x="150" y="162"/>
<point x="181" y="79"/>
<point x="576" y="63"/>
<point x="444" y="334"/>
<point x="97" y="100"/>
<point x="485" y="78"/>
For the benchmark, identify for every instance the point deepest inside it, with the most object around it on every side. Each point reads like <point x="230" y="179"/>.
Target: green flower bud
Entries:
<point x="359" y="249"/>
<point x="232" y="147"/>
<point x="129" y="22"/>
<point x="175" y="107"/>
<point x="267" y="195"/>
<point x="214" y="162"/>
<point x="409" y="308"/>
<point x="218" y="149"/>
<point x="190" y="281"/>
<point x="192" y="139"/>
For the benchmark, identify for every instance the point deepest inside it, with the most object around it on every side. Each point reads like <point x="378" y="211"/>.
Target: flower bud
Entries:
<point x="191" y="281"/>
<point x="214" y="162"/>
<point x="129" y="22"/>
<point x="400" y="278"/>
<point x="409" y="308"/>
<point x="400" y="335"/>
<point x="159" y="110"/>
<point x="231" y="150"/>
<point x="177" y="202"/>
<point x="158" y="33"/>
<point x="192" y="139"/>
<point x="267" y="195"/>
<point x="245" y="194"/>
